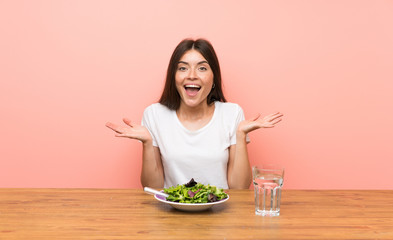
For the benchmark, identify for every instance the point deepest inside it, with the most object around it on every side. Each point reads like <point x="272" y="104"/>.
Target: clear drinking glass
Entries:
<point x="268" y="181"/>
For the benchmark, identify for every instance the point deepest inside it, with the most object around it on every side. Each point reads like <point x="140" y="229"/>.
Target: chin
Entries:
<point x="192" y="103"/>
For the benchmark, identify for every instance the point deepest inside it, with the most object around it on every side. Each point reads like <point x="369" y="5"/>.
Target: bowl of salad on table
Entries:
<point x="193" y="196"/>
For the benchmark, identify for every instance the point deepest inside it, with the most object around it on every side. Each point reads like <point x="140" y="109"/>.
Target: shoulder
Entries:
<point x="230" y="113"/>
<point x="156" y="111"/>
<point x="156" y="114"/>
<point x="157" y="108"/>
<point x="228" y="107"/>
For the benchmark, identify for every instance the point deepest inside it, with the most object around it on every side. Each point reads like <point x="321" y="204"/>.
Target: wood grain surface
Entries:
<point x="132" y="214"/>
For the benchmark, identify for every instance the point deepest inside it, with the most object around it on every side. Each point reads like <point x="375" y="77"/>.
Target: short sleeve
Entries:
<point x="239" y="116"/>
<point x="148" y="121"/>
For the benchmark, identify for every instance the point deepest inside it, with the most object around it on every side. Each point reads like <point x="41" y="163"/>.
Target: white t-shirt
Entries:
<point x="202" y="154"/>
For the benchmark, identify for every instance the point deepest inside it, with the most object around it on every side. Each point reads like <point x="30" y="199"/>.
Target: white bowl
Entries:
<point x="190" y="207"/>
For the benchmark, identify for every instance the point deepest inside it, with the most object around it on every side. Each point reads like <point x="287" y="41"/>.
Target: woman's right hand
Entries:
<point x="133" y="131"/>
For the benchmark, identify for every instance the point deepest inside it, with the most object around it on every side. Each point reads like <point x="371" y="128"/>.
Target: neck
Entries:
<point x="195" y="113"/>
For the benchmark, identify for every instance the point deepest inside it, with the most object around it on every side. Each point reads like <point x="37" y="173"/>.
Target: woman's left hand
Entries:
<point x="269" y="121"/>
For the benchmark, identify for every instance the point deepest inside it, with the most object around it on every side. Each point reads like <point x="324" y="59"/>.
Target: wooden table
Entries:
<point x="132" y="214"/>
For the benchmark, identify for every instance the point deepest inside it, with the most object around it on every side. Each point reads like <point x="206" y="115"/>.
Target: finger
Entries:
<point x="109" y="124"/>
<point x="255" y="118"/>
<point x="120" y="135"/>
<point x="271" y="123"/>
<point x="125" y="135"/>
<point x="274" y="116"/>
<point x="127" y="121"/>
<point x="276" y="121"/>
<point x="278" y="114"/>
<point x="112" y="126"/>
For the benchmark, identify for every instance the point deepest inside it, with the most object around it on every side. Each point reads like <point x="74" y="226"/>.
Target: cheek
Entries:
<point x="178" y="83"/>
<point x="178" y="77"/>
<point x="209" y="79"/>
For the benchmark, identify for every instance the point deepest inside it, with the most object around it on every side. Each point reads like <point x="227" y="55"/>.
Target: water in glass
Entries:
<point x="267" y="188"/>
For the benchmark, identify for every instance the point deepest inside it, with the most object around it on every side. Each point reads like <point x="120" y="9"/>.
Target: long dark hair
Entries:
<point x="170" y="97"/>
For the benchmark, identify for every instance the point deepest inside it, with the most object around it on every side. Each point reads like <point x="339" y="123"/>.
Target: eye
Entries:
<point x="182" y="69"/>
<point x="203" y="68"/>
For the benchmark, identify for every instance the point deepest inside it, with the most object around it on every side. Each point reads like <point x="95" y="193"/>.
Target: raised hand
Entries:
<point x="269" y="121"/>
<point x="133" y="131"/>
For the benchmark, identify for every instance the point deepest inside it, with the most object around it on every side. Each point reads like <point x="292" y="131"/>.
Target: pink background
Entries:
<point x="68" y="67"/>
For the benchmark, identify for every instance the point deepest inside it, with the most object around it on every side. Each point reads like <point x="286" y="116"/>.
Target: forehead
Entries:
<point x="192" y="56"/>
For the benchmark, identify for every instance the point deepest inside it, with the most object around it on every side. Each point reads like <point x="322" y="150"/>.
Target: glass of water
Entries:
<point x="268" y="181"/>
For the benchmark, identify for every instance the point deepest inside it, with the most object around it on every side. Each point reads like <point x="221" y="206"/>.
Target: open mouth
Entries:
<point x="192" y="89"/>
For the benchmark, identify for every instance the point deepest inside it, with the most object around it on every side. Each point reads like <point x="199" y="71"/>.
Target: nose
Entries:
<point x="192" y="75"/>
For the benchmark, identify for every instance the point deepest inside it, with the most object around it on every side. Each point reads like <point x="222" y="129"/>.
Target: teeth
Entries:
<point x="192" y="86"/>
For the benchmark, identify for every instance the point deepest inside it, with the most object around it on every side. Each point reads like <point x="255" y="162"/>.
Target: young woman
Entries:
<point x="193" y="132"/>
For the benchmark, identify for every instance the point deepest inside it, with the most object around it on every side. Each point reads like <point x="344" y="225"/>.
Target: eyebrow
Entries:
<point x="188" y="63"/>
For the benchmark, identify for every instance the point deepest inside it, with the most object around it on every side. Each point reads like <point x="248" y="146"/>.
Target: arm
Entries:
<point x="152" y="170"/>
<point x="239" y="169"/>
<point x="152" y="174"/>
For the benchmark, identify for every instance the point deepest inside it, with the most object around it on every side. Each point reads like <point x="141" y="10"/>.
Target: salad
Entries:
<point x="193" y="192"/>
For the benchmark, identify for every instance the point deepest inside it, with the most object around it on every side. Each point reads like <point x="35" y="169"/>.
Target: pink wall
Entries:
<point x="68" y="67"/>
